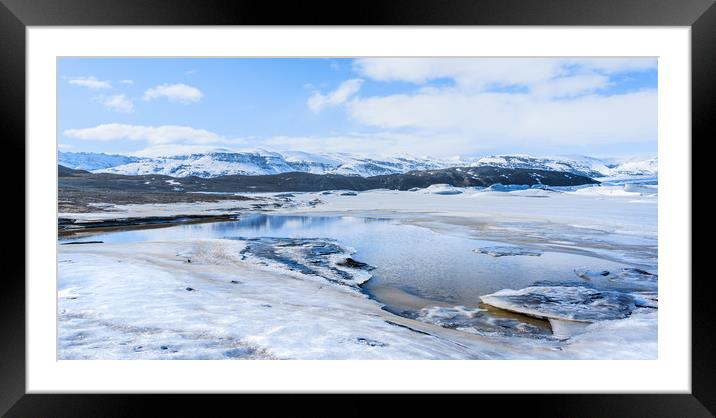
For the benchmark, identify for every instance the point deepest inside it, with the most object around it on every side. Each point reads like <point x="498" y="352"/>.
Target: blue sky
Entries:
<point x="442" y="107"/>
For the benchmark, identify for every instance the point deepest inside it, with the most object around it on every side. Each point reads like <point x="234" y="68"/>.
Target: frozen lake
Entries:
<point x="415" y="267"/>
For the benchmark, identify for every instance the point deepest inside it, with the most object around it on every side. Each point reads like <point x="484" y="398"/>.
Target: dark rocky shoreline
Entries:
<point x="69" y="226"/>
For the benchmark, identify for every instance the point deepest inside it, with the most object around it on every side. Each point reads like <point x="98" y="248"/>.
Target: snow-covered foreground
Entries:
<point x="147" y="301"/>
<point x="225" y="299"/>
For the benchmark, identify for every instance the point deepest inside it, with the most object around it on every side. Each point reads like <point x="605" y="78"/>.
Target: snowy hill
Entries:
<point x="581" y="165"/>
<point x="637" y="167"/>
<point x="91" y="161"/>
<point x="259" y="162"/>
<point x="262" y="162"/>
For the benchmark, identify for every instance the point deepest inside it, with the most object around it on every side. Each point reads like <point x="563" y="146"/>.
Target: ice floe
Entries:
<point x="570" y="303"/>
<point x="479" y="321"/>
<point x="534" y="192"/>
<point x="631" y="338"/>
<point x="442" y="189"/>
<point x="625" y="279"/>
<point x="502" y="251"/>
<point x="323" y="258"/>
<point x="619" y="190"/>
<point x="448" y="316"/>
<point x="499" y="187"/>
<point x="573" y="309"/>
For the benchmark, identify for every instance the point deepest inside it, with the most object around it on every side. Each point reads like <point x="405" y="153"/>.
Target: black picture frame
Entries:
<point x="16" y="15"/>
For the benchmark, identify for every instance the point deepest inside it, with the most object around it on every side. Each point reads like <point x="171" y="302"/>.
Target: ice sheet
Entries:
<point x="573" y="303"/>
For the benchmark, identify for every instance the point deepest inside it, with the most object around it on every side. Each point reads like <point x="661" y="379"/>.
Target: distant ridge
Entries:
<point x="91" y="161"/>
<point x="262" y="162"/>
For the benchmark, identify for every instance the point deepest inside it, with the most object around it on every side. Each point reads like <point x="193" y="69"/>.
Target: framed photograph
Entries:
<point x="420" y="198"/>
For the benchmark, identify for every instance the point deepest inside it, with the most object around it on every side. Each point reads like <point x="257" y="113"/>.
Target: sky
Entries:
<point x="438" y="107"/>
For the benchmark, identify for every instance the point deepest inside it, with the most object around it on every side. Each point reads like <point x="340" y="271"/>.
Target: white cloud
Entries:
<point x="348" y="88"/>
<point x="508" y="102"/>
<point x="473" y="73"/>
<point x="168" y="150"/>
<point x="90" y="82"/>
<point x="178" y="93"/>
<point x="118" y="103"/>
<point x="571" y="85"/>
<point x="517" y="118"/>
<point x="64" y="147"/>
<point x="377" y="144"/>
<point x="482" y="73"/>
<point x="130" y="82"/>
<point x="165" y="134"/>
<point x="616" y="65"/>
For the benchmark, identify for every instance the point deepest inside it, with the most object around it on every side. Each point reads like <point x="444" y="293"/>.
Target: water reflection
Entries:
<point x="271" y="224"/>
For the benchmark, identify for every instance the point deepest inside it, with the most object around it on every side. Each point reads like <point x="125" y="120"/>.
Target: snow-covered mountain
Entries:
<point x="258" y="162"/>
<point x="582" y="165"/>
<point x="92" y="161"/>
<point x="636" y="167"/>
<point x="262" y="162"/>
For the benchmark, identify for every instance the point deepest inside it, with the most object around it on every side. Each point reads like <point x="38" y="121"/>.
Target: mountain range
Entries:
<point x="262" y="162"/>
